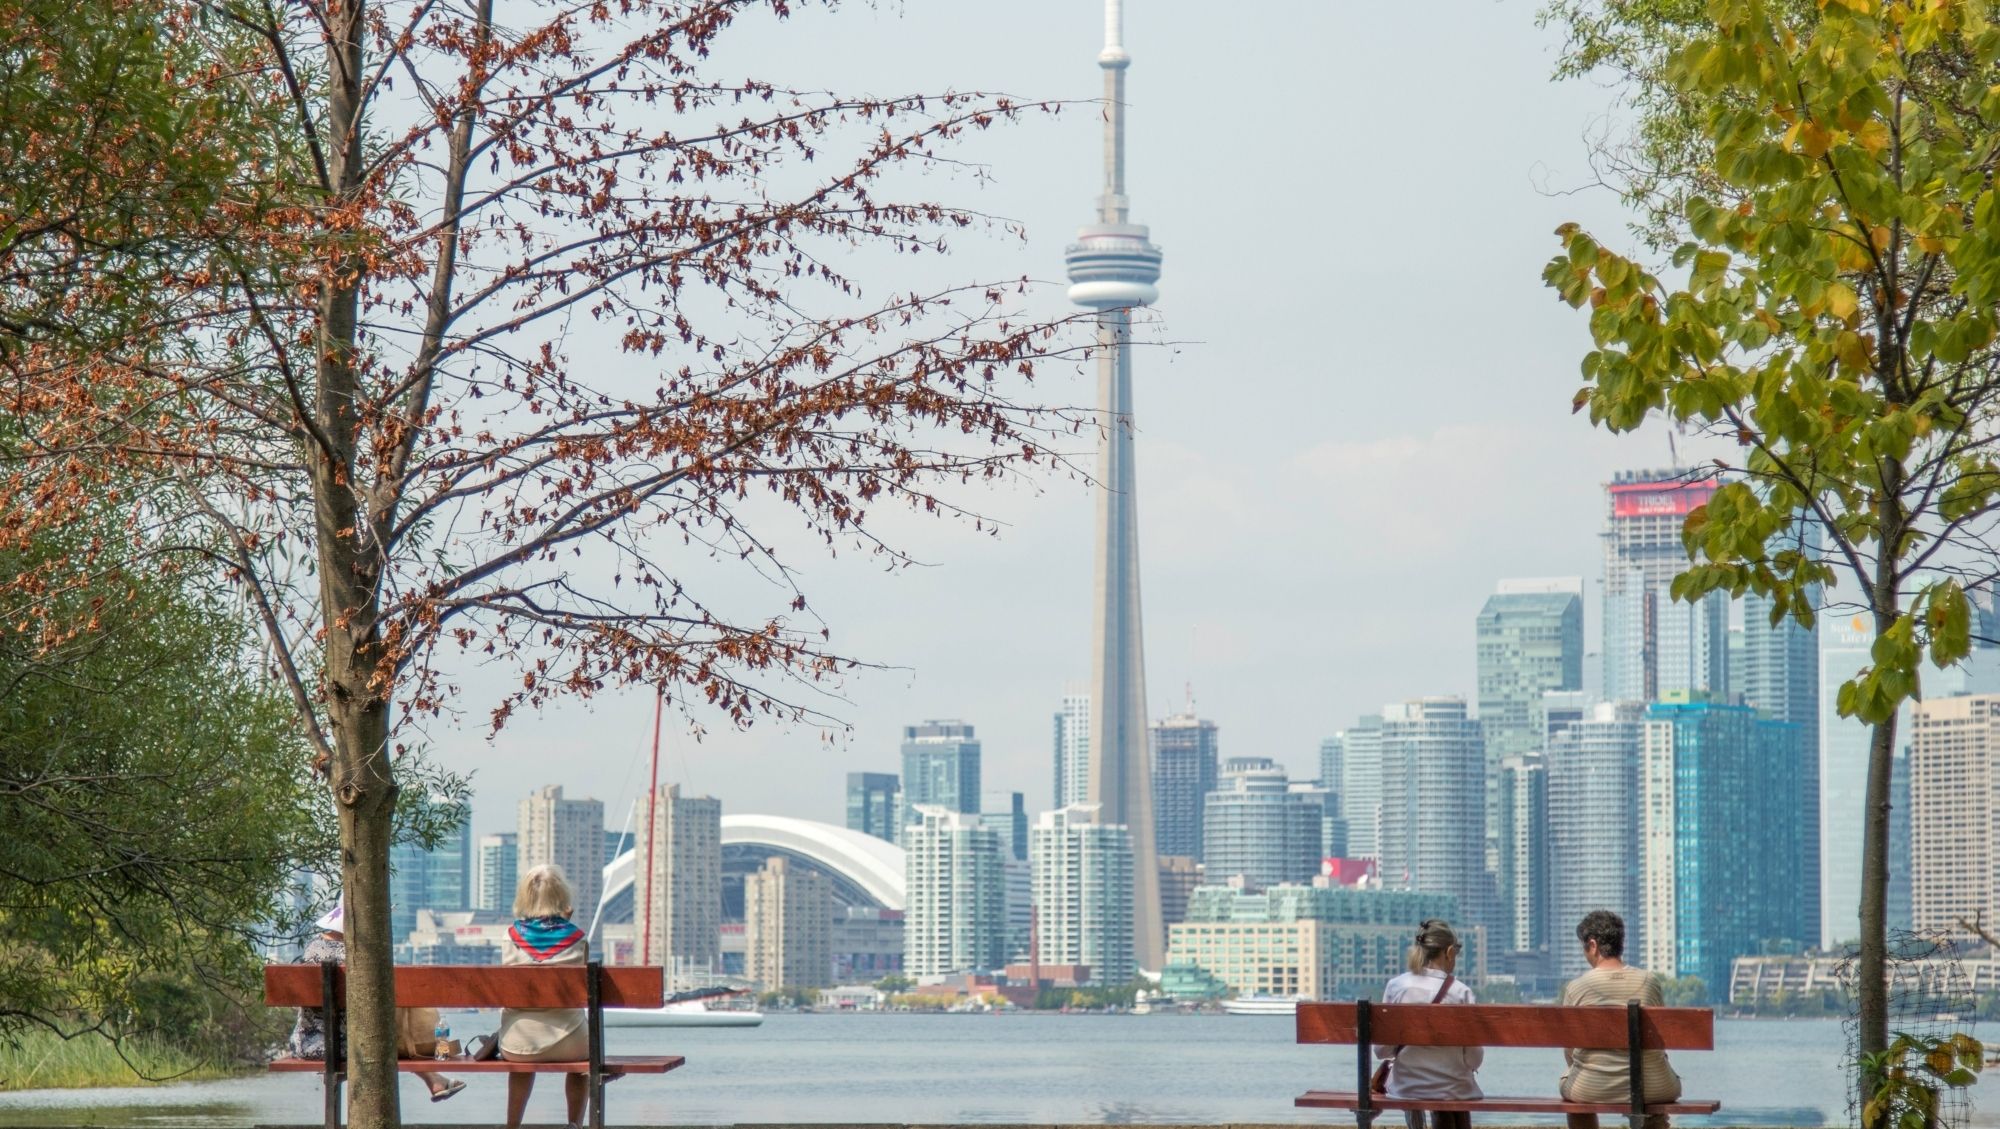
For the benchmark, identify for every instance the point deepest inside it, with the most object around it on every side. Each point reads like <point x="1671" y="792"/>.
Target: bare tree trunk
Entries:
<point x="1871" y="968"/>
<point x="357" y="698"/>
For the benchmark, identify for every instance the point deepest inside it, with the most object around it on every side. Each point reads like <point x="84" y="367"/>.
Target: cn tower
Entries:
<point x="1112" y="268"/>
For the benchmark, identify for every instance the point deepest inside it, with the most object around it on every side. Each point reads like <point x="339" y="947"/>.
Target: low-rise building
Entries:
<point x="1320" y="942"/>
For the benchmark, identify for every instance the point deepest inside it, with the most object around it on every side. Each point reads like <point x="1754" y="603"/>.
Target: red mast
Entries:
<point x="652" y="807"/>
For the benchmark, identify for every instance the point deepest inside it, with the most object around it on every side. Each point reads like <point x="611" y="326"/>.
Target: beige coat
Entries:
<point x="530" y="1031"/>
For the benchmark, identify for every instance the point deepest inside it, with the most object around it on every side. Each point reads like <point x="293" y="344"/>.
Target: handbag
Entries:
<point x="1378" y="1083"/>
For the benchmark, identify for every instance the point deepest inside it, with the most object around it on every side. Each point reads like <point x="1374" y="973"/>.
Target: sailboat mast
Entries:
<point x="652" y="833"/>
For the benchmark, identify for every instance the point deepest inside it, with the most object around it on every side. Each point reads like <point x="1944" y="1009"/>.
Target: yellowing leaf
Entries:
<point x="1841" y="301"/>
<point x="1852" y="349"/>
<point x="1873" y="135"/>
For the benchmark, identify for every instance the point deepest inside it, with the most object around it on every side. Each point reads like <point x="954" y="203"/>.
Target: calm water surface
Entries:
<point x="1049" y="1069"/>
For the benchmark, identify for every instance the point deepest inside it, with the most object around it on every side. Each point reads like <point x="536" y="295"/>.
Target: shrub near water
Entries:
<point x="39" y="1060"/>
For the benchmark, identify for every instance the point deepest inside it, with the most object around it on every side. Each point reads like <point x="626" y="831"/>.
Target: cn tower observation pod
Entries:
<point x="1112" y="265"/>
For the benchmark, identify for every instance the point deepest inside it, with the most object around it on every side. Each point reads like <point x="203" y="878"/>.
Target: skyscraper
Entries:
<point x="1845" y="644"/>
<point x="437" y="877"/>
<point x="569" y="834"/>
<point x="677" y="899"/>
<point x="1593" y="770"/>
<point x="1523" y="839"/>
<point x="496" y="872"/>
<point x="1720" y="862"/>
<point x="1529" y="640"/>
<point x="788" y="926"/>
<point x="1083" y="892"/>
<point x="956" y="919"/>
<point x="1361" y="785"/>
<point x="1072" y="749"/>
<point x="1433" y="828"/>
<point x="871" y="804"/>
<point x="1780" y="678"/>
<point x="940" y="768"/>
<point x="1653" y="644"/>
<point x="1184" y="773"/>
<point x="1954" y="777"/>
<point x="1257" y="827"/>
<point x="1112" y="269"/>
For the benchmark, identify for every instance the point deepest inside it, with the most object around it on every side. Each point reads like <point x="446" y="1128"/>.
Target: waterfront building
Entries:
<point x="463" y="936"/>
<point x="1954" y="773"/>
<point x="678" y="906"/>
<point x="1319" y="941"/>
<point x="496" y="871"/>
<point x="1654" y="644"/>
<point x="940" y="768"/>
<point x="1259" y="829"/>
<point x="1720" y="863"/>
<point x="569" y="834"/>
<point x="1523" y="839"/>
<point x="1433" y="824"/>
<point x="867" y="944"/>
<point x="1083" y="892"/>
<point x="1112" y="270"/>
<point x="872" y="799"/>
<point x="788" y="926"/>
<point x="1361" y="785"/>
<point x="1017" y="882"/>
<point x="436" y="877"/>
<point x="1072" y="749"/>
<point x="1179" y="876"/>
<point x="1184" y="773"/>
<point x="1593" y="800"/>
<point x="1845" y="644"/>
<point x="957" y="904"/>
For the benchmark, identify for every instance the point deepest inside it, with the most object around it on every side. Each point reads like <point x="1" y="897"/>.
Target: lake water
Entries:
<point x="1047" y="1069"/>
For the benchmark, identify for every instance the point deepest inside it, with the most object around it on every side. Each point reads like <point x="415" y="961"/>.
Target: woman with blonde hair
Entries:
<point x="543" y="934"/>
<point x="1436" y="1073"/>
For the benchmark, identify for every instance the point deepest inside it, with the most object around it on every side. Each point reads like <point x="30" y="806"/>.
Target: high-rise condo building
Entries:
<point x="1007" y="813"/>
<point x="1900" y="853"/>
<point x="940" y="768"/>
<point x="1845" y="643"/>
<point x="1184" y="773"/>
<point x="1433" y="827"/>
<point x="1083" y="892"/>
<point x="569" y="834"/>
<point x="1529" y="640"/>
<point x="1361" y="785"/>
<point x="677" y="906"/>
<point x="1523" y="839"/>
<point x="1333" y="771"/>
<point x="1954" y="775"/>
<point x="956" y="919"/>
<point x="496" y="872"/>
<point x="1260" y="829"/>
<point x="788" y="926"/>
<point x="439" y="877"/>
<point x="1777" y="670"/>
<point x="1720" y="863"/>
<point x="871" y="804"/>
<point x="1593" y="781"/>
<point x="1112" y="269"/>
<point x="1179" y="876"/>
<point x="1654" y="644"/>
<point x="1072" y="749"/>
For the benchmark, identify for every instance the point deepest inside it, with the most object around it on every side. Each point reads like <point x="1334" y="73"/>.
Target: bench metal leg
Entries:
<point x="594" y="1018"/>
<point x="1634" y="1034"/>
<point x="1364" y="1055"/>
<point x="331" y="1044"/>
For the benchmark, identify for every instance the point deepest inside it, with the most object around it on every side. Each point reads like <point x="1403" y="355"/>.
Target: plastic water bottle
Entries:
<point x="442" y="1033"/>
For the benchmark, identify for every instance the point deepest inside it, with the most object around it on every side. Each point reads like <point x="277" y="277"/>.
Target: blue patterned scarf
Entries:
<point x="544" y="937"/>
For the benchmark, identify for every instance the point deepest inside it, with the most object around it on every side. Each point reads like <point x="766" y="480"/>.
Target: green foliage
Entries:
<point x="895" y="982"/>
<point x="1685" y="991"/>
<point x="1912" y="1072"/>
<point x="788" y="996"/>
<point x="156" y="800"/>
<point x="1501" y="992"/>
<point x="1089" y="999"/>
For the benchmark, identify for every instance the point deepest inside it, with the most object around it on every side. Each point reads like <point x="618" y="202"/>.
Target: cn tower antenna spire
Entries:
<point x="1112" y="268"/>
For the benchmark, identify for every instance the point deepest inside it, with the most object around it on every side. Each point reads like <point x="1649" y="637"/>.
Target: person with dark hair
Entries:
<point x="1606" y="1075"/>
<point x="1439" y="1073"/>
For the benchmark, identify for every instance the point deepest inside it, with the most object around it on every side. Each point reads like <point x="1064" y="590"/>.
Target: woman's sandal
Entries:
<point x="448" y="1091"/>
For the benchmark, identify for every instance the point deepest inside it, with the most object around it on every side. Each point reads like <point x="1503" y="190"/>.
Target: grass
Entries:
<point x="39" y="1060"/>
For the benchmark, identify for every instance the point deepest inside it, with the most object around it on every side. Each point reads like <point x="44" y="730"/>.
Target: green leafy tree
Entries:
<point x="1836" y="320"/>
<point x="156" y="802"/>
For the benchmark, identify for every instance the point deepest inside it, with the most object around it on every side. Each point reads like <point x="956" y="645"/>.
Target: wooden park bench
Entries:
<point x="591" y="987"/>
<point x="1631" y="1029"/>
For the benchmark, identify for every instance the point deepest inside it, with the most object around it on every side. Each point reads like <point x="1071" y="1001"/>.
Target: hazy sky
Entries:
<point x="1363" y="423"/>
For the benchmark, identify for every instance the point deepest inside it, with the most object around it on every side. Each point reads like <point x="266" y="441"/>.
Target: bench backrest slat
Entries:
<point x="1509" y="1025"/>
<point x="297" y="985"/>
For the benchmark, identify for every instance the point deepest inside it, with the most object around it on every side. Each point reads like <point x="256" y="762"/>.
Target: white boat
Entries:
<point x="685" y="1013"/>
<point x="1263" y="1005"/>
